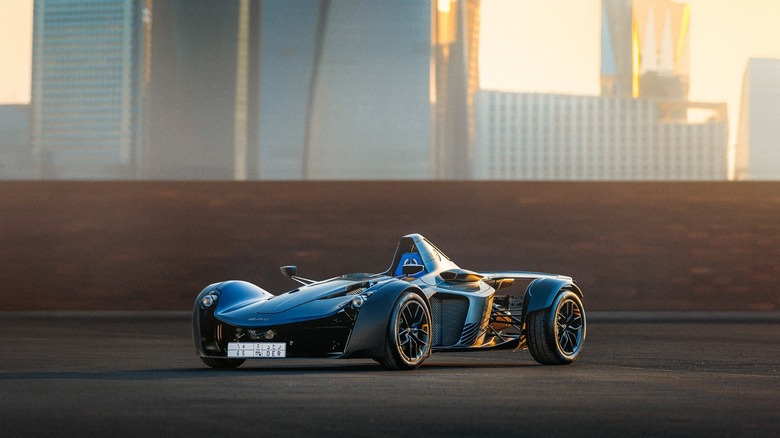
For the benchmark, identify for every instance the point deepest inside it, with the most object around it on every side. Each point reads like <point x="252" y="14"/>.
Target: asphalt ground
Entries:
<point x="641" y="374"/>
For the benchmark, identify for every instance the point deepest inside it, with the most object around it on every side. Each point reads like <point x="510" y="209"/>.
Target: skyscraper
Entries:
<point x="202" y="98"/>
<point x="758" y="136"/>
<point x="16" y="158"/>
<point x="367" y="89"/>
<point x="146" y="89"/>
<point x="88" y="79"/>
<point x="174" y="89"/>
<point x="644" y="48"/>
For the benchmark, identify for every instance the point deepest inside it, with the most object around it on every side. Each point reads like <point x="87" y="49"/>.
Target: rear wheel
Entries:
<point x="556" y="334"/>
<point x="408" y="334"/>
<point x="223" y="364"/>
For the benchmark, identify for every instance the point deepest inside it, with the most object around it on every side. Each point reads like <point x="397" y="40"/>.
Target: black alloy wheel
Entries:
<point x="556" y="334"/>
<point x="408" y="334"/>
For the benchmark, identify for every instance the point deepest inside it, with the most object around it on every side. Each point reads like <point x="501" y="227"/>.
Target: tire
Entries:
<point x="556" y="334"/>
<point x="222" y="364"/>
<point x="408" y="340"/>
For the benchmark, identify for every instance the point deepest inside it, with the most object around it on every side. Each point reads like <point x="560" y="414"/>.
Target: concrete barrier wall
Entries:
<point x="155" y="245"/>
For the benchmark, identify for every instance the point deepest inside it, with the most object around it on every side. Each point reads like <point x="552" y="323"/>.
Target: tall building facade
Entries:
<point x="16" y="156"/>
<point x="202" y="102"/>
<point x="88" y="79"/>
<point x="367" y="89"/>
<point x="645" y="48"/>
<point x="758" y="138"/>
<point x="145" y="89"/>
<point x="245" y="89"/>
<point x="563" y="137"/>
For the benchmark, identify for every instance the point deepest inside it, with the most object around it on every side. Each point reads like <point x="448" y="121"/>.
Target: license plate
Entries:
<point x="257" y="349"/>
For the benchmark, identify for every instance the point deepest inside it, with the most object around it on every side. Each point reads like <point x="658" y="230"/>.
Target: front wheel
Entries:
<point x="556" y="334"/>
<point x="408" y="334"/>
<point x="223" y="364"/>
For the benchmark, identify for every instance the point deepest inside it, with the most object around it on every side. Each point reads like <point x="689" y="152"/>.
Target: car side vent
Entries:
<point x="345" y="293"/>
<point x="470" y="332"/>
<point x="461" y="276"/>
<point x="449" y="315"/>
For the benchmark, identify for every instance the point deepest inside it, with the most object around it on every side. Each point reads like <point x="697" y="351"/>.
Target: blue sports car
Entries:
<point x="424" y="303"/>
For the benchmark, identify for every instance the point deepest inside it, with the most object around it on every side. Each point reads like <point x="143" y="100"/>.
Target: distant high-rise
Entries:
<point x="243" y="89"/>
<point x="202" y="98"/>
<point x="367" y="89"/>
<point x="529" y="136"/>
<point x="16" y="157"/>
<point x="146" y="89"/>
<point x="758" y="136"/>
<point x="88" y="79"/>
<point x="644" y="48"/>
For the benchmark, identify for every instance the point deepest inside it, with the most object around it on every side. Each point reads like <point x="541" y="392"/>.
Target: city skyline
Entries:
<point x="525" y="61"/>
<point x="724" y="34"/>
<point x="176" y="89"/>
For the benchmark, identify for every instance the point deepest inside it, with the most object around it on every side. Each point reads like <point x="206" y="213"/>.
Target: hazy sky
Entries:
<point x="15" y="50"/>
<point x="530" y="45"/>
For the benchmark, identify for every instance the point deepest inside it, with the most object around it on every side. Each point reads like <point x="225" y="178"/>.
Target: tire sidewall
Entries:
<point x="560" y="300"/>
<point x="392" y="330"/>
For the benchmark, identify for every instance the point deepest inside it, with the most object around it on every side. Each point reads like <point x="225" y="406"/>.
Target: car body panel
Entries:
<point x="312" y="301"/>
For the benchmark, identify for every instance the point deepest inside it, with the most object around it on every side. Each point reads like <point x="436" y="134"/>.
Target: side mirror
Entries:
<point x="412" y="269"/>
<point x="290" y="271"/>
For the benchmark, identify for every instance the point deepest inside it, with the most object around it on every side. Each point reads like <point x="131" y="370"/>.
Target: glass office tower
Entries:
<point x="246" y="89"/>
<point x="203" y="94"/>
<point x="645" y="48"/>
<point x="88" y="79"/>
<point x="367" y="89"/>
<point x="146" y="89"/>
<point x="758" y="147"/>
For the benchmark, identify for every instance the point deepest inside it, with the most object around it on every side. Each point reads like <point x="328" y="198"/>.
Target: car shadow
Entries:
<point x="206" y="373"/>
<point x="374" y="367"/>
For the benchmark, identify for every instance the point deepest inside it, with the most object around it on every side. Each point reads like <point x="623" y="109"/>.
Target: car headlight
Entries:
<point x="208" y="300"/>
<point x="357" y="301"/>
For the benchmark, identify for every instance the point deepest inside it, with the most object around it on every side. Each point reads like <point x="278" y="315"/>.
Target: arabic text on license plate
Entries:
<point x="257" y="349"/>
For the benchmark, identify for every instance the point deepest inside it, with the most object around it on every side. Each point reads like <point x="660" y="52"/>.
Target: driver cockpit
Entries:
<point x="413" y="251"/>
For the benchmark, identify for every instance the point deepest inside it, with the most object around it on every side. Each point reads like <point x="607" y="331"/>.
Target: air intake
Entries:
<point x="461" y="276"/>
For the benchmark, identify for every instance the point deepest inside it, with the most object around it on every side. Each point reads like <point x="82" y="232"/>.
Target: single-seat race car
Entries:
<point x="423" y="303"/>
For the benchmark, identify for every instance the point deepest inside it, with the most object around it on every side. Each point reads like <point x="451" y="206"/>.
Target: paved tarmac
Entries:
<point x="106" y="374"/>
